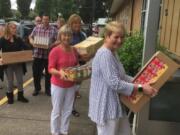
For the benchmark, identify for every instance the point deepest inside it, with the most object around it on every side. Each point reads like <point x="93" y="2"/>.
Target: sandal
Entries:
<point x="77" y="95"/>
<point x="75" y="113"/>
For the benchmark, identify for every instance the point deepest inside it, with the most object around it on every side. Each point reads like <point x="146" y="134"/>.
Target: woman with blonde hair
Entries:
<point x="74" y="22"/>
<point x="108" y="80"/>
<point x="10" y="43"/>
<point x="62" y="91"/>
<point x="60" y="22"/>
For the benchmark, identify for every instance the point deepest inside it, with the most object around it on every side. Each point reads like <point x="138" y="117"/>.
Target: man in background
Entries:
<point x="40" y="55"/>
<point x="37" y="20"/>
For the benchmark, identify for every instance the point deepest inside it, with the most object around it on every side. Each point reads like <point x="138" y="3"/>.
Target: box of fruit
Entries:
<point x="41" y="42"/>
<point x="77" y="73"/>
<point x="158" y="70"/>
<point x="89" y="46"/>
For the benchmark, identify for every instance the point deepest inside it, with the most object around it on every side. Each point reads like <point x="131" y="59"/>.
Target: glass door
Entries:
<point x="162" y="115"/>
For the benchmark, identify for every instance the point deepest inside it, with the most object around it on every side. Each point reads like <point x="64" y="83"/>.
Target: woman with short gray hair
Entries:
<point x="108" y="80"/>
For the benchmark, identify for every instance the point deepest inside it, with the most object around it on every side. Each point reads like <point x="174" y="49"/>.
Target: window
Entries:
<point x="165" y="106"/>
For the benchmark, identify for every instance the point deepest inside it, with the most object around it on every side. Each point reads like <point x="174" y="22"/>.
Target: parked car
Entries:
<point x="102" y="21"/>
<point x="95" y="29"/>
<point x="24" y="30"/>
<point x="2" y="22"/>
<point x="86" y="28"/>
<point x="98" y="26"/>
<point x="54" y="24"/>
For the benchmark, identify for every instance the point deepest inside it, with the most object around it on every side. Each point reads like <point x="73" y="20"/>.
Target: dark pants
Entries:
<point x="38" y="66"/>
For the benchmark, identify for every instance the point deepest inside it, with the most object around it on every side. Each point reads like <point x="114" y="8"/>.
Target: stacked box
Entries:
<point x="157" y="70"/>
<point x="89" y="46"/>
<point x="78" y="73"/>
<point x="41" y="42"/>
<point x="16" y="57"/>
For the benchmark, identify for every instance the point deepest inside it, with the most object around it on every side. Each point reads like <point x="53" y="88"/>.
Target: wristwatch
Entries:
<point x="140" y="88"/>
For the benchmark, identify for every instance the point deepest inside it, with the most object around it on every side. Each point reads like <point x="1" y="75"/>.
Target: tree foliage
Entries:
<point x="32" y="14"/>
<point x="66" y="8"/>
<point x="43" y="7"/>
<point x="24" y="7"/>
<point x="86" y="8"/>
<point x="17" y="14"/>
<point x="53" y="7"/>
<point x="5" y="8"/>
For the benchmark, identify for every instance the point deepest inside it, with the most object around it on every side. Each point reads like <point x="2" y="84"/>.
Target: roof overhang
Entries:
<point x="116" y="6"/>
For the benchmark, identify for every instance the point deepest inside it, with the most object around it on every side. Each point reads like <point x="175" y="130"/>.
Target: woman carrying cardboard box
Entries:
<point x="11" y="43"/>
<point x="74" y="22"/>
<point x="108" y="80"/>
<point x="62" y="91"/>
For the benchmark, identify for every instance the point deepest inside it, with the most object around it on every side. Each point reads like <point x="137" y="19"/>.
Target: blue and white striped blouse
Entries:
<point x="107" y="81"/>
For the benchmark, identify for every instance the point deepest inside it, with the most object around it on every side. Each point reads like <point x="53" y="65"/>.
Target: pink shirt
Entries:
<point x="59" y="59"/>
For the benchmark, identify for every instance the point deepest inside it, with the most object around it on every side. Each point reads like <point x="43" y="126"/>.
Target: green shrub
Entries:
<point x="130" y="54"/>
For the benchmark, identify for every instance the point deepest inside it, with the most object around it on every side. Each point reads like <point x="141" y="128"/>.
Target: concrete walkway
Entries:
<point x="34" y="118"/>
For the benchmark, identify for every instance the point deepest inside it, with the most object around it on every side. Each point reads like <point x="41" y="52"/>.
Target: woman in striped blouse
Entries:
<point x="108" y="81"/>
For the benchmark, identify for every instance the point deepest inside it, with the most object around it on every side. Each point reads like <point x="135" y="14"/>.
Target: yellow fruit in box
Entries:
<point x="77" y="73"/>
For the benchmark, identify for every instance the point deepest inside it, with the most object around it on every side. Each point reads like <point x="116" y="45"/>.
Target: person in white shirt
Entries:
<point x="108" y="80"/>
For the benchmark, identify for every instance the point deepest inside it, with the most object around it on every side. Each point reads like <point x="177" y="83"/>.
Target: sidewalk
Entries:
<point x="34" y="118"/>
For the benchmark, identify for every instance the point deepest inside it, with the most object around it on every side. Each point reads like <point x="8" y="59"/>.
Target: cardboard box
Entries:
<point x="16" y="57"/>
<point x="41" y="42"/>
<point x="158" y="69"/>
<point x="89" y="46"/>
<point x="41" y="46"/>
<point x="78" y="73"/>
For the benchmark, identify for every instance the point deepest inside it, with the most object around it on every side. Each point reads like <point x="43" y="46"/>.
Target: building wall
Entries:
<point x="125" y="15"/>
<point x="137" y="9"/>
<point x="130" y="15"/>
<point x="170" y="26"/>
